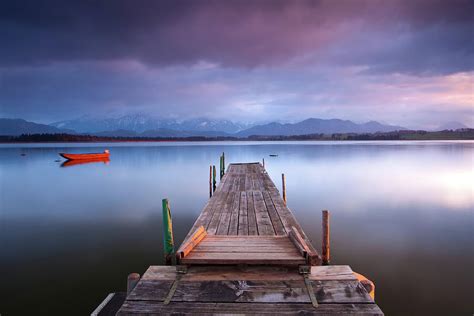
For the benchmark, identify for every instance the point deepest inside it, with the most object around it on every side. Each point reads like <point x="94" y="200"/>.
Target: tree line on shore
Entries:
<point x="460" y="134"/>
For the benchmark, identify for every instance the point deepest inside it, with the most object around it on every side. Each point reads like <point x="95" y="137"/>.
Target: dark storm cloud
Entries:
<point x="425" y="36"/>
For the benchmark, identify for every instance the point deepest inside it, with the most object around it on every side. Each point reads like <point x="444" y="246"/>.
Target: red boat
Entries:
<point x="91" y="156"/>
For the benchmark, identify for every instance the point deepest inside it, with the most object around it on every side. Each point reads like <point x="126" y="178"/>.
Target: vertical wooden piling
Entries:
<point x="132" y="281"/>
<point x="263" y="163"/>
<point x="223" y="164"/>
<point x="210" y="181"/>
<point x="168" y="240"/>
<point x="325" y="244"/>
<point x="283" y="187"/>
<point x="214" y="178"/>
<point x="221" y="173"/>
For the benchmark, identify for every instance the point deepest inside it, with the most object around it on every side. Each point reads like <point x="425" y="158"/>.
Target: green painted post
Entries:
<point x="214" y="178"/>
<point x="220" y="171"/>
<point x="168" y="241"/>
<point x="223" y="164"/>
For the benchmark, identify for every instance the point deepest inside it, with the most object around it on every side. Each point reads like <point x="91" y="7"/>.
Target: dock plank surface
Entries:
<point x="247" y="202"/>
<point x="246" y="254"/>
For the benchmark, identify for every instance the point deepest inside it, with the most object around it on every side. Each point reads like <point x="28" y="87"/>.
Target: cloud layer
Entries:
<point x="259" y="60"/>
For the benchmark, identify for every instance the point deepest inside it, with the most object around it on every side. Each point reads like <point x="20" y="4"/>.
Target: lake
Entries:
<point x="401" y="214"/>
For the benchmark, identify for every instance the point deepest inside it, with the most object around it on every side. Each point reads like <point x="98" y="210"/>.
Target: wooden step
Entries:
<point x="245" y="250"/>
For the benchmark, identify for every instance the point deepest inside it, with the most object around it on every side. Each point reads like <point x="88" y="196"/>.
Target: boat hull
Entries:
<point x="95" y="156"/>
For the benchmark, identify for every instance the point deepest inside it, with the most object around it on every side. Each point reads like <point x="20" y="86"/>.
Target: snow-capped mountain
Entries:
<point x="141" y="122"/>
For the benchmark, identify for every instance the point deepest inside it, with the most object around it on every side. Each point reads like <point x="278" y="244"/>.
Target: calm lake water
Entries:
<point x="402" y="215"/>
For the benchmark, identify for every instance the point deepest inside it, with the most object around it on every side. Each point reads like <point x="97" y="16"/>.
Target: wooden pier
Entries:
<point x="246" y="254"/>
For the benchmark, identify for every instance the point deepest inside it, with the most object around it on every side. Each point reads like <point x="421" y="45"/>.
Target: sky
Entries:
<point x="409" y="63"/>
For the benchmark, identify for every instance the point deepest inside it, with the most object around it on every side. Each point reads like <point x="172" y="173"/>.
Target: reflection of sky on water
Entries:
<point x="400" y="212"/>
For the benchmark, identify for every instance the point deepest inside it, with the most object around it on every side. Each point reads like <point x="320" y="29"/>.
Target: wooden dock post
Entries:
<point x="168" y="240"/>
<point x="132" y="281"/>
<point x="325" y="243"/>
<point x="210" y="181"/>
<point x="283" y="186"/>
<point x="214" y="178"/>
<point x="263" y="163"/>
<point x="223" y="164"/>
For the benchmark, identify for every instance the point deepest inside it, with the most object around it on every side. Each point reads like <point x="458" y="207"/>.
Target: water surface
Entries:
<point x="402" y="214"/>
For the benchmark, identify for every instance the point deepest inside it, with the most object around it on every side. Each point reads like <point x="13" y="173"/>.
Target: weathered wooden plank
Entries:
<point x="321" y="273"/>
<point x="243" y="215"/>
<point x="243" y="258"/>
<point x="333" y="292"/>
<point x="271" y="238"/>
<point x="191" y="242"/>
<point x="234" y="217"/>
<point x="332" y="273"/>
<point x="151" y="290"/>
<point x="213" y="224"/>
<point x="224" y="221"/>
<point x="193" y="308"/>
<point x="264" y="223"/>
<point x="251" y="217"/>
<point x="242" y="291"/>
<point x="274" y="217"/>
<point x="224" y="250"/>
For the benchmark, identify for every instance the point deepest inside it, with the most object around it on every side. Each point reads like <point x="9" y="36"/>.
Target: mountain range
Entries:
<point x="140" y="123"/>
<point x="146" y="126"/>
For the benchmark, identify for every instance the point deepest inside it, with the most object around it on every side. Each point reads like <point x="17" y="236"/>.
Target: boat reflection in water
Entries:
<point x="69" y="163"/>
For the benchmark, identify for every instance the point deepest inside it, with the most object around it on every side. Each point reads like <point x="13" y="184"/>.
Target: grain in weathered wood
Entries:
<point x="311" y="256"/>
<point x="242" y="291"/>
<point x="274" y="217"/>
<point x="340" y="291"/>
<point x="251" y="217"/>
<point x="191" y="242"/>
<point x="203" y="273"/>
<point x="234" y="217"/>
<point x="155" y="290"/>
<point x="213" y="223"/>
<point x="224" y="221"/>
<point x="243" y="215"/>
<point x="325" y="254"/>
<point x="244" y="249"/>
<point x="243" y="258"/>
<point x="342" y="272"/>
<point x="194" y="308"/>
<point x="264" y="223"/>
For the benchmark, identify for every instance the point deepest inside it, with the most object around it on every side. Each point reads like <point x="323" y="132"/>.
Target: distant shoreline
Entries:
<point x="460" y="134"/>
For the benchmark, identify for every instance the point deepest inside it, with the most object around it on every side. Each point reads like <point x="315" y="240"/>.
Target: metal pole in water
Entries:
<point x="325" y="244"/>
<point x="168" y="240"/>
<point x="283" y="185"/>
<point x="132" y="281"/>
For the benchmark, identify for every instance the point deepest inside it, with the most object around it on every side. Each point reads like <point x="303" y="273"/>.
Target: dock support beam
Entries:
<point x="283" y="187"/>
<point x="132" y="281"/>
<point x="325" y="245"/>
<point x="168" y="240"/>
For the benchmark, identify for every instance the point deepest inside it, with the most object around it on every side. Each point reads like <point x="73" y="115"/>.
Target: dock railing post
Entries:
<point x="223" y="164"/>
<point x="214" y="178"/>
<point x="168" y="240"/>
<point x="132" y="281"/>
<point x="283" y="187"/>
<point x="210" y="181"/>
<point x="325" y="243"/>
